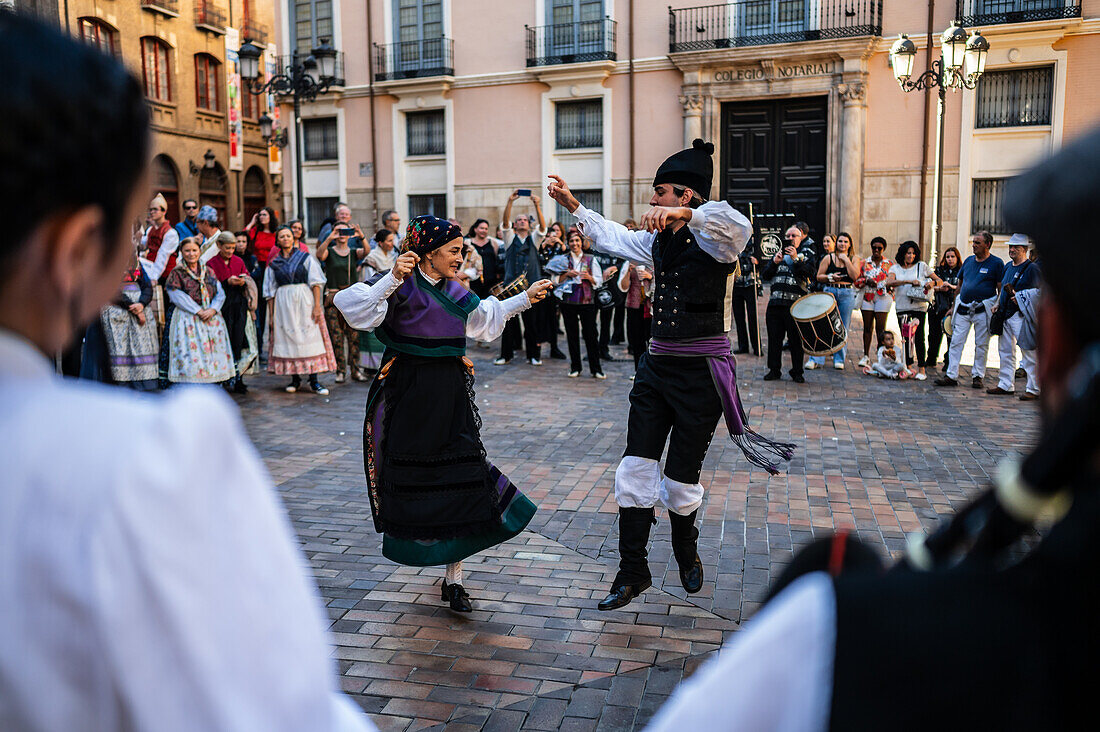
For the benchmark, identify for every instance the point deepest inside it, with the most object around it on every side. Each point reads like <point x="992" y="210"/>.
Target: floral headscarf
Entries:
<point x="428" y="233"/>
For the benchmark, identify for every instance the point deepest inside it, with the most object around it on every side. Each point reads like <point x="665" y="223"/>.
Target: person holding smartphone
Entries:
<point x="521" y="257"/>
<point x="340" y="262"/>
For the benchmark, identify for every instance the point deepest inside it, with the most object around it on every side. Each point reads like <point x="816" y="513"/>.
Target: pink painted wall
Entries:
<point x="658" y="122"/>
<point x="498" y="135"/>
<point x="489" y="35"/>
<point x="357" y="138"/>
<point x="912" y="18"/>
<point x="1083" y="96"/>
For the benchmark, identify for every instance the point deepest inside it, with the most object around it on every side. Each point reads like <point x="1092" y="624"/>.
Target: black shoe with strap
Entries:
<point x="457" y="596"/>
<point x="633" y="577"/>
<point x="685" y="539"/>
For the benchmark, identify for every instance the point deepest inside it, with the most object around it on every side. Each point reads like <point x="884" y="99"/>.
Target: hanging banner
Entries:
<point x="274" y="154"/>
<point x="233" y="99"/>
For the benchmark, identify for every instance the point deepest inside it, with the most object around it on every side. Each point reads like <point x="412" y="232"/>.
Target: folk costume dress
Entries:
<point x="433" y="493"/>
<point x="237" y="312"/>
<point x="199" y="351"/>
<point x="118" y="348"/>
<point x="298" y="344"/>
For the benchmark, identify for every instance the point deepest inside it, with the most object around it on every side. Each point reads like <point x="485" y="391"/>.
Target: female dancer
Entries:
<point x="434" y="496"/>
<point x="197" y="335"/>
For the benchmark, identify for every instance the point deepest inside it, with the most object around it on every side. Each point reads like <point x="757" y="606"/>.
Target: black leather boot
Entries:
<point x="633" y="577"/>
<point x="458" y="598"/>
<point x="685" y="539"/>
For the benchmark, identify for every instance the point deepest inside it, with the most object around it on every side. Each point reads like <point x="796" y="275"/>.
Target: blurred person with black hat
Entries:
<point x="963" y="634"/>
<point x="686" y="379"/>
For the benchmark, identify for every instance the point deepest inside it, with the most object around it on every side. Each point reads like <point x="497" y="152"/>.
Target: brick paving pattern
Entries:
<point x="881" y="458"/>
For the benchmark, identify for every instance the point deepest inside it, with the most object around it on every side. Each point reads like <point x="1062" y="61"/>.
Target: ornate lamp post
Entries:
<point x="303" y="79"/>
<point x="961" y="63"/>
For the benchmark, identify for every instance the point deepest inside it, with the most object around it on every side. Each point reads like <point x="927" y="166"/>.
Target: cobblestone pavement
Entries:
<point x="882" y="458"/>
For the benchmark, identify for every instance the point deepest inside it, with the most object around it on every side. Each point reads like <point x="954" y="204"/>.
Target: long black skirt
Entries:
<point x="434" y="495"/>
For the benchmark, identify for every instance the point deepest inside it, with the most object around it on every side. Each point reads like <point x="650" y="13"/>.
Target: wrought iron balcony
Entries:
<point x="209" y="17"/>
<point x="571" y="43"/>
<point x="414" y="59"/>
<point x="762" y="22"/>
<point x="167" y="7"/>
<point x="994" y="12"/>
<point x="254" y="31"/>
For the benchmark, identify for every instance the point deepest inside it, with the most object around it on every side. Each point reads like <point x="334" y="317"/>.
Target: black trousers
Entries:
<point x="673" y="399"/>
<point x="547" y="316"/>
<point x="744" y="317"/>
<point x="511" y="338"/>
<point x="780" y="323"/>
<point x="637" y="333"/>
<point x="606" y="316"/>
<point x="936" y="339"/>
<point x="261" y="312"/>
<point x="580" y="319"/>
<point x="617" y="331"/>
<point x="918" y="337"/>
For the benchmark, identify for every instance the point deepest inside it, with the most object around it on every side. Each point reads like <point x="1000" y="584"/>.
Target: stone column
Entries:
<point x="693" y="116"/>
<point x="852" y="97"/>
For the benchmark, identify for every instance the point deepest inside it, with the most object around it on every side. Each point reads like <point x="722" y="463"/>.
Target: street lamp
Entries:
<point x="961" y="63"/>
<point x="302" y="79"/>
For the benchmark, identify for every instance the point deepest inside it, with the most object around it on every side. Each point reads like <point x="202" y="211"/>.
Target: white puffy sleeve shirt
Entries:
<point x="151" y="578"/>
<point x="720" y="230"/>
<point x="365" y="306"/>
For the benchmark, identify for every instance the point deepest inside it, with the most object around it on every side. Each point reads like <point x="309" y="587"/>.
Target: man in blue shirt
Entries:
<point x="188" y="227"/>
<point x="1020" y="274"/>
<point x="979" y="286"/>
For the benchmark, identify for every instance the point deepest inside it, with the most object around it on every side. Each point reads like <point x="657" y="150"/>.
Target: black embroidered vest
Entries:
<point x="690" y="298"/>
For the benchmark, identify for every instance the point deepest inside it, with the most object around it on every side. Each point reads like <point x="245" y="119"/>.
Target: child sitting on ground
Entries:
<point x="888" y="366"/>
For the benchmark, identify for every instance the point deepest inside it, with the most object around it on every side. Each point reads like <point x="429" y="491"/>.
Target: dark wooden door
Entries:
<point x="773" y="156"/>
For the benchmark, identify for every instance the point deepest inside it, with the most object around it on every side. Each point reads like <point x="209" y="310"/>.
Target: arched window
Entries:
<point x="155" y="54"/>
<point x="255" y="192"/>
<point x="166" y="182"/>
<point x="212" y="191"/>
<point x="207" y="90"/>
<point x="97" y="33"/>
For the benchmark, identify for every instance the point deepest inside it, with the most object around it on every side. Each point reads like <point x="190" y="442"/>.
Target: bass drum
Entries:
<point x="817" y="319"/>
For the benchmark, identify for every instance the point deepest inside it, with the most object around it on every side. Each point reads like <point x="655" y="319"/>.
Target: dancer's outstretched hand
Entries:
<point x="559" y="191"/>
<point x="404" y="265"/>
<point x="659" y="217"/>
<point x="538" y="291"/>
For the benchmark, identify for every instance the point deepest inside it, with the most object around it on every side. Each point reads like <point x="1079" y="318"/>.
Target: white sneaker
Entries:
<point x="536" y="362"/>
<point x="838" y="365"/>
<point x="865" y="361"/>
<point x="920" y="376"/>
<point x="599" y="375"/>
<point x="500" y="361"/>
<point x="574" y="374"/>
<point x="318" y="389"/>
<point x="290" y="389"/>
<point x="810" y="365"/>
<point x="340" y="378"/>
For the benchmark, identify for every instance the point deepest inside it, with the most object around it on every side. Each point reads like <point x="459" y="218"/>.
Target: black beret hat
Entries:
<point x="692" y="168"/>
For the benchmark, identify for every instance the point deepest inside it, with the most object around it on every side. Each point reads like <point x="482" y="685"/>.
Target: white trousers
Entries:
<point x="639" y="483"/>
<point x="960" y="329"/>
<point x="1006" y="349"/>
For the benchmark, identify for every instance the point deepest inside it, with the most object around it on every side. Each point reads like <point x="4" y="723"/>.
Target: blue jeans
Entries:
<point x="845" y="301"/>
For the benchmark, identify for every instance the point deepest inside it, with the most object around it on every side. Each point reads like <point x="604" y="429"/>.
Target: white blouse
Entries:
<point x="365" y="306"/>
<point x="314" y="273"/>
<point x="720" y="230"/>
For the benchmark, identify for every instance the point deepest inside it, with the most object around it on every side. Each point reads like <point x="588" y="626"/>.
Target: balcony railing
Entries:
<point x="414" y="59"/>
<point x="338" y="66"/>
<point x="209" y="16"/>
<point x="168" y="7"/>
<point x="762" y="22"/>
<point x="254" y="31"/>
<point x="994" y="12"/>
<point x="570" y="43"/>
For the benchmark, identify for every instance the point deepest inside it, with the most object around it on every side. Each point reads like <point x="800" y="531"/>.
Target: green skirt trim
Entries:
<point x="433" y="553"/>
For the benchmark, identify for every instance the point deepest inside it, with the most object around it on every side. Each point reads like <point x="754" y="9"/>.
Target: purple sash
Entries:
<point x="723" y="370"/>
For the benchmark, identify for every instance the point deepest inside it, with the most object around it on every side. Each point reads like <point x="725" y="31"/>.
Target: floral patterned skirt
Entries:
<point x="200" y="352"/>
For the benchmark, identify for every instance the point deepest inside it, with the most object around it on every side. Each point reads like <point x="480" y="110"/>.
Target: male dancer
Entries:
<point x="685" y="381"/>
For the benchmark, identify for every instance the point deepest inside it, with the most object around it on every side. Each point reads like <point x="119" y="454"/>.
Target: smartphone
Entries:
<point x="524" y="192"/>
<point x="346" y="231"/>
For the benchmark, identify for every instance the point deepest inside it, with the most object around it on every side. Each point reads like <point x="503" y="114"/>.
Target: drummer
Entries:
<point x="789" y="271"/>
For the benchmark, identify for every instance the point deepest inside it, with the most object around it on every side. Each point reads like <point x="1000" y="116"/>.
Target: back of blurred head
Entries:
<point x="74" y="146"/>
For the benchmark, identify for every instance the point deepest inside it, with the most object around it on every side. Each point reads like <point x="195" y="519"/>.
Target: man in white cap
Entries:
<point x="979" y="286"/>
<point x="160" y="241"/>
<point x="1020" y="274"/>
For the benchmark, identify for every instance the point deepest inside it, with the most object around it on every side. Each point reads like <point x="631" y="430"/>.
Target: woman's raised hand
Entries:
<point x="404" y="265"/>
